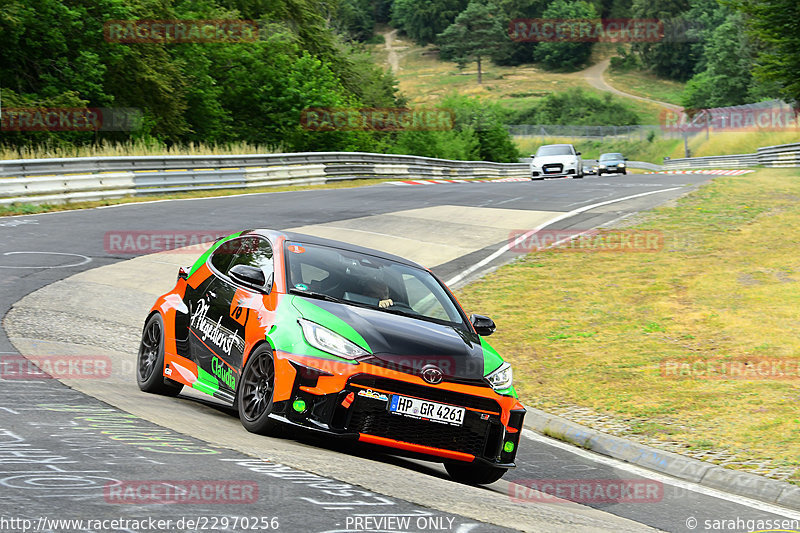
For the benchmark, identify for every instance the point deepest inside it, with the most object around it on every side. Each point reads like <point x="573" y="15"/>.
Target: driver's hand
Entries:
<point x="383" y="304"/>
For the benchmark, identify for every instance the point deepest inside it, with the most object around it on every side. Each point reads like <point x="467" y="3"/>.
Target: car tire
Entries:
<point x="150" y="361"/>
<point x="624" y="172"/>
<point x="472" y="474"/>
<point x="254" y="394"/>
<point x="579" y="176"/>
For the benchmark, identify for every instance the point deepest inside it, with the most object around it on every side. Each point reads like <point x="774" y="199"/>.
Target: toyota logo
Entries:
<point x="432" y="374"/>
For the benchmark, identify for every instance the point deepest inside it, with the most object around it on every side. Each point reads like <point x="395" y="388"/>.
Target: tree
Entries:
<point x="674" y="56"/>
<point x="775" y="25"/>
<point x="727" y="79"/>
<point x="518" y="52"/>
<point x="563" y="55"/>
<point x="423" y="20"/>
<point x="354" y="19"/>
<point x="477" y="33"/>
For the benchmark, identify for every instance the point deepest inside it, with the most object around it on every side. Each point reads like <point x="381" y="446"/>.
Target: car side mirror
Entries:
<point x="626" y="159"/>
<point x="484" y="326"/>
<point x="577" y="153"/>
<point x="250" y="276"/>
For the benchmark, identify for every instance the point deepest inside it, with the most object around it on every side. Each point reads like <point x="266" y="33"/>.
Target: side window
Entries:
<point x="222" y="256"/>
<point x="255" y="252"/>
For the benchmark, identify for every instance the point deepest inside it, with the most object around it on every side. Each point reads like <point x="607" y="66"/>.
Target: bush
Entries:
<point x="578" y="107"/>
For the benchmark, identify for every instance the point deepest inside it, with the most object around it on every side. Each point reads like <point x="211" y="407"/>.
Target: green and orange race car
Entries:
<point x="294" y="330"/>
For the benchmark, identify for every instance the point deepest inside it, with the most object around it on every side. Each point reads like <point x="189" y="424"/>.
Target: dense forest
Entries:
<point x="310" y="53"/>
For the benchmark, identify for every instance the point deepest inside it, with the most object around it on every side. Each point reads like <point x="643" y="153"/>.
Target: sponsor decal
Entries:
<point x="301" y="286"/>
<point x="223" y="372"/>
<point x="296" y="249"/>
<point x="214" y="332"/>
<point x="369" y="393"/>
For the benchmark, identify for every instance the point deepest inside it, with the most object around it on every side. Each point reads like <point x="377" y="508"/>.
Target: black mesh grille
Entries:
<point x="427" y="393"/>
<point x="553" y="168"/>
<point x="372" y="417"/>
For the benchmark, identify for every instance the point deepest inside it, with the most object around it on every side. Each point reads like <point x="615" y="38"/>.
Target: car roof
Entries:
<point x="616" y="154"/>
<point x="311" y="239"/>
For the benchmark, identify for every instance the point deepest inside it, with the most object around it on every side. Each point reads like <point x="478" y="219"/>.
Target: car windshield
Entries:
<point x="611" y="157"/>
<point x="368" y="281"/>
<point x="554" y="150"/>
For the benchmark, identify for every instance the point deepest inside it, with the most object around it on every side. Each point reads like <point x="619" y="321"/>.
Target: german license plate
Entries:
<point x="436" y="412"/>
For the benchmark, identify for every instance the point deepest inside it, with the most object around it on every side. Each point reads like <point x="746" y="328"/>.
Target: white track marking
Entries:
<point x="663" y="478"/>
<point x="83" y="262"/>
<point x="520" y="239"/>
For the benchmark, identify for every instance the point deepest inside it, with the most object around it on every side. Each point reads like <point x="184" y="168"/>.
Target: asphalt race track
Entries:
<point x="74" y="294"/>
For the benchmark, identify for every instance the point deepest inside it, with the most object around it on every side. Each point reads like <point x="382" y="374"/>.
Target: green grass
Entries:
<point x="728" y="143"/>
<point x="725" y="286"/>
<point x="646" y="84"/>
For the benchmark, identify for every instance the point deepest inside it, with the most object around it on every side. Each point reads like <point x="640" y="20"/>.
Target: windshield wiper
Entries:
<point x="319" y="295"/>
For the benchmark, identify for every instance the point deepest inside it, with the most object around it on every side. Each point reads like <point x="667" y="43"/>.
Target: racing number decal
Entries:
<point x="237" y="312"/>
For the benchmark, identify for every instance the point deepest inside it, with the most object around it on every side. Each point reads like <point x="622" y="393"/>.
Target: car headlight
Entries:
<point x="326" y="340"/>
<point x="502" y="378"/>
<point x="621" y="165"/>
<point x="602" y="166"/>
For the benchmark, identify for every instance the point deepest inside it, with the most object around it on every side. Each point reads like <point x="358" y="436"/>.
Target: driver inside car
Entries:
<point x="375" y="288"/>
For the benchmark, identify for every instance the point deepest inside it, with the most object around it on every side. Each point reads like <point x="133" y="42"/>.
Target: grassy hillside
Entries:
<point x="425" y="80"/>
<point x="643" y="83"/>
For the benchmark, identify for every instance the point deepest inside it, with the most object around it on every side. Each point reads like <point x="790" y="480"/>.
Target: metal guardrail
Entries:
<point x="90" y="178"/>
<point x="780" y="156"/>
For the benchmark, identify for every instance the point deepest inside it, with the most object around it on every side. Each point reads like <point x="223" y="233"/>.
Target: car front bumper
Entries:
<point x="351" y="401"/>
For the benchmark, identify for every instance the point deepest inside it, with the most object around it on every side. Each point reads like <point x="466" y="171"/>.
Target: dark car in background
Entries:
<point x="612" y="163"/>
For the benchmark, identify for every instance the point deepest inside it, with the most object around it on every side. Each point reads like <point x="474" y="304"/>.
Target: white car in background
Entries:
<point x="556" y="161"/>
